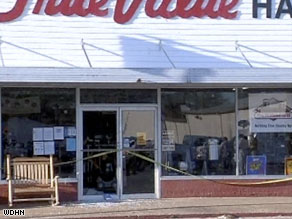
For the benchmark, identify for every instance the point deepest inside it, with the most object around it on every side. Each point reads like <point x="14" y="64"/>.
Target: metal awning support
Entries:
<point x="1" y="55"/>
<point x="165" y="53"/>
<point x="263" y="53"/>
<point x="85" y="53"/>
<point x="36" y="53"/>
<point x="237" y="48"/>
<point x="83" y="44"/>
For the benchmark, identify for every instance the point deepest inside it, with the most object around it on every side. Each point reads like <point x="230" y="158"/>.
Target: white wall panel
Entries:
<point x="55" y="41"/>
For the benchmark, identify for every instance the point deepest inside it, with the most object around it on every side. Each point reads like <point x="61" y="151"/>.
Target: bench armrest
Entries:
<point x="55" y="180"/>
<point x="56" y="190"/>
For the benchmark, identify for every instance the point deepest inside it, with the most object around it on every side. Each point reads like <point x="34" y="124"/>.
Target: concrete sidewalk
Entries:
<point x="166" y="208"/>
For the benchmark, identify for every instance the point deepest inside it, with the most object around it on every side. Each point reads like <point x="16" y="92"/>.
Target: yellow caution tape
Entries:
<point x="258" y="183"/>
<point x="266" y="182"/>
<point x="86" y="158"/>
<point x="216" y="181"/>
<point x="160" y="164"/>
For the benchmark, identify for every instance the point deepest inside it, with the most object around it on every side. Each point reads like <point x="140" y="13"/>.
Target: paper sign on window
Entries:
<point x="168" y="143"/>
<point x="49" y="147"/>
<point x="70" y="144"/>
<point x="48" y="134"/>
<point x="141" y="138"/>
<point x="270" y="112"/>
<point x="288" y="166"/>
<point x="38" y="148"/>
<point x="59" y="133"/>
<point x="37" y="134"/>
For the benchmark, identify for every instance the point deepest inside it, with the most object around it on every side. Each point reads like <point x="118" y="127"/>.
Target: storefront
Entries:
<point x="144" y="90"/>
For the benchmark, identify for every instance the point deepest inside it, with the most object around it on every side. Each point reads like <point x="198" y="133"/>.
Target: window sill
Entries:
<point x="250" y="177"/>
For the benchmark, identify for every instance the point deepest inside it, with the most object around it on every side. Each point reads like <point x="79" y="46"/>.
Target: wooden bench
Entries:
<point x="31" y="179"/>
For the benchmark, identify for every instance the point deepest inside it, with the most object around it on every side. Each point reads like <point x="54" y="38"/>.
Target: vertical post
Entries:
<point x="8" y="167"/>
<point x="1" y="130"/>
<point x="52" y="171"/>
<point x="120" y="152"/>
<point x="1" y="54"/>
<point x="236" y="128"/>
<point x="56" y="191"/>
<point x="52" y="177"/>
<point x="8" y="164"/>
<point x="79" y="140"/>
<point x="158" y="145"/>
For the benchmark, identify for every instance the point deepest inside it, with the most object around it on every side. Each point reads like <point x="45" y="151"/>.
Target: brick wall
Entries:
<point x="205" y="188"/>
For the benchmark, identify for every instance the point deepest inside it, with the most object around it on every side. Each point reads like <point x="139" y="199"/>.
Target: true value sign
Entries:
<point x="125" y="10"/>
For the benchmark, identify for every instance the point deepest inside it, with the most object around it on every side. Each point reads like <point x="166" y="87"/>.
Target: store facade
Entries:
<point x="210" y="97"/>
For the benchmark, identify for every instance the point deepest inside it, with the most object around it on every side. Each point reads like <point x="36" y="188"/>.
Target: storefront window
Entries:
<point x="198" y="131"/>
<point x="265" y="131"/>
<point x="118" y="96"/>
<point x="39" y="122"/>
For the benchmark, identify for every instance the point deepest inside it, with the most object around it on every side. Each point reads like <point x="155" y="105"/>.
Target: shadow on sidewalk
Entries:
<point x="161" y="211"/>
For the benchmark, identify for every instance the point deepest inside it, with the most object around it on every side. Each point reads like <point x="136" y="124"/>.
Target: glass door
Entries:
<point x="99" y="177"/>
<point x="138" y="132"/>
<point x="110" y="140"/>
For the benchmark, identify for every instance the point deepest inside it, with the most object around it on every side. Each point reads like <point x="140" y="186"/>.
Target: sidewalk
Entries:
<point x="166" y="208"/>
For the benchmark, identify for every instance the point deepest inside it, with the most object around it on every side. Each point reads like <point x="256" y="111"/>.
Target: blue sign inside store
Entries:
<point x="256" y="165"/>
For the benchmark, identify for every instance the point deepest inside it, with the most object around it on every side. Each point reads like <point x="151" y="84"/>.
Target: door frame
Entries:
<point x="118" y="108"/>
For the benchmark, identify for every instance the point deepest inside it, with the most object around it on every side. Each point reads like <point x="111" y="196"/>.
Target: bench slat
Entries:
<point x="35" y="172"/>
<point x="39" y="174"/>
<point x="25" y="167"/>
<point x="33" y="190"/>
<point x="47" y="173"/>
<point x="28" y="172"/>
<point x="31" y="172"/>
<point x="21" y="171"/>
<point x="33" y="199"/>
<point x="43" y="174"/>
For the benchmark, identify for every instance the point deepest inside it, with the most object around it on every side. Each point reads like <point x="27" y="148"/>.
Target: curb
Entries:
<point x="224" y="216"/>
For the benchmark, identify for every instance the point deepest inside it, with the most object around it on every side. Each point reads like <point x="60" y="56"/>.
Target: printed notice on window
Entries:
<point x="70" y="131"/>
<point x="59" y="133"/>
<point x="70" y="144"/>
<point x="37" y="134"/>
<point x="126" y="143"/>
<point x="38" y="148"/>
<point x="141" y="138"/>
<point x="168" y="143"/>
<point x="49" y="147"/>
<point x="270" y="112"/>
<point x="48" y="134"/>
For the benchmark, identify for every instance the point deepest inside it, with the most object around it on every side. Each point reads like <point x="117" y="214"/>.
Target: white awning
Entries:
<point x="145" y="76"/>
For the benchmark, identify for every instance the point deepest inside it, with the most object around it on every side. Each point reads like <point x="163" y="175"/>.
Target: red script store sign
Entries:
<point x="183" y="9"/>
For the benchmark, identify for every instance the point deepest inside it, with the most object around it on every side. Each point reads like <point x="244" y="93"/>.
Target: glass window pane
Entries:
<point x="99" y="137"/>
<point x="138" y="129"/>
<point x="24" y="109"/>
<point x="138" y="174"/>
<point x="138" y="132"/>
<point x="118" y="96"/>
<point x="265" y="130"/>
<point x="198" y="131"/>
